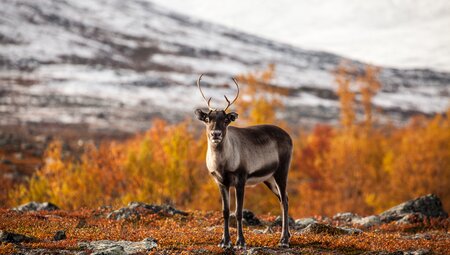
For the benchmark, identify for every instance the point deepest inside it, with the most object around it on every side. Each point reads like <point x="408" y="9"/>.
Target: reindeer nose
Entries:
<point x="216" y="134"/>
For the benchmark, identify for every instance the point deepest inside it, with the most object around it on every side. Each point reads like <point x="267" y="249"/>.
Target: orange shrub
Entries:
<point x="418" y="162"/>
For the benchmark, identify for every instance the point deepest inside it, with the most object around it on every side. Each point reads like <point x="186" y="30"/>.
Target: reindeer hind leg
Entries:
<point x="281" y="184"/>
<point x="272" y="185"/>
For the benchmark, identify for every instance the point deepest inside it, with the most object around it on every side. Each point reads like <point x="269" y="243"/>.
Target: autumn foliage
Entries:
<point x="360" y="166"/>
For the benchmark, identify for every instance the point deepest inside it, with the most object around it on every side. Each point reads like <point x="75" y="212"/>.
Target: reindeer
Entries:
<point x="237" y="157"/>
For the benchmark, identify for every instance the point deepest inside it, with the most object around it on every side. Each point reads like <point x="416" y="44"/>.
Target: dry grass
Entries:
<point x="200" y="232"/>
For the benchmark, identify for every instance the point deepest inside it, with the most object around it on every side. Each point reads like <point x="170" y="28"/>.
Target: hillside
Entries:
<point x="382" y="32"/>
<point x="114" y="65"/>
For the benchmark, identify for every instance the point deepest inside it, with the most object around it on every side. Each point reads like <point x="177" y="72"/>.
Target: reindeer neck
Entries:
<point x="220" y="152"/>
<point x="218" y="155"/>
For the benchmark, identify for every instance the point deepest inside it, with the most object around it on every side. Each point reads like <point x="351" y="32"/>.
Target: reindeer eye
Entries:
<point x="227" y="121"/>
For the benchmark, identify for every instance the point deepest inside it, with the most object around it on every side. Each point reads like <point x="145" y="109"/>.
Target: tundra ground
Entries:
<point x="200" y="232"/>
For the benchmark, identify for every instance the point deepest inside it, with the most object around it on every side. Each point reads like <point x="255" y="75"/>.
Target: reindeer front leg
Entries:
<point x="240" y="189"/>
<point x="225" y="193"/>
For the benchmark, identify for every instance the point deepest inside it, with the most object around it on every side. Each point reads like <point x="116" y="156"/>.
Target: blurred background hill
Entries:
<point x="396" y="33"/>
<point x="114" y="65"/>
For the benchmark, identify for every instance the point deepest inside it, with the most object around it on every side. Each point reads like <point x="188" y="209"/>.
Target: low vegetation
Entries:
<point x="200" y="232"/>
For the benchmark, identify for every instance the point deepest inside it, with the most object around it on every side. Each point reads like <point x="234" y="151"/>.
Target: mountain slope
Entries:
<point x="116" y="64"/>
<point x="382" y="32"/>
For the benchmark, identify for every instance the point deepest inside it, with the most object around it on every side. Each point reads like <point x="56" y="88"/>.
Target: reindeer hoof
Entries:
<point x="284" y="241"/>
<point x="283" y="245"/>
<point x="240" y="244"/>
<point x="225" y="244"/>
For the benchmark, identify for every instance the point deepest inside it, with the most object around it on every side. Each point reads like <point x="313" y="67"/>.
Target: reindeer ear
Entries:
<point x="232" y="116"/>
<point x="201" y="115"/>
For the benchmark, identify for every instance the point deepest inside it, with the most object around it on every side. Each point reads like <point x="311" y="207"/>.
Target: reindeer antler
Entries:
<point x="237" y="95"/>
<point x="208" y="101"/>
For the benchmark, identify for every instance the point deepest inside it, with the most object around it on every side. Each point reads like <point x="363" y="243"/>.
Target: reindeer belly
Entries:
<point x="261" y="174"/>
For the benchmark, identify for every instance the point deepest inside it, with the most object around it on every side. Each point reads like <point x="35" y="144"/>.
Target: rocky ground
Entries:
<point x="418" y="226"/>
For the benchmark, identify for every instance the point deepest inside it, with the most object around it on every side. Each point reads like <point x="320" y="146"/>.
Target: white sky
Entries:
<point x="398" y="33"/>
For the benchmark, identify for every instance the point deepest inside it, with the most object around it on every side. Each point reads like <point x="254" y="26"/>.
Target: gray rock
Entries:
<point x="418" y="236"/>
<point x="278" y="221"/>
<point x="351" y="231"/>
<point x="319" y="228"/>
<point x="418" y="252"/>
<point x="269" y="250"/>
<point x="114" y="250"/>
<point x="304" y="222"/>
<point x="136" y="209"/>
<point x="429" y="206"/>
<point x="60" y="235"/>
<point x="367" y="222"/>
<point x="35" y="206"/>
<point x="411" y="218"/>
<point x="326" y="219"/>
<point x="107" y="247"/>
<point x="248" y="219"/>
<point x="123" y="213"/>
<point x="346" y="217"/>
<point x="258" y="231"/>
<point x="10" y="237"/>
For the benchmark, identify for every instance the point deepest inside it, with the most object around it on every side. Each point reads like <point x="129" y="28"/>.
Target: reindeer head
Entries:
<point x="216" y="121"/>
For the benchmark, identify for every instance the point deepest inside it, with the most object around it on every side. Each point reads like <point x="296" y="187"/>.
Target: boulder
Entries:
<point x="108" y="247"/>
<point x="319" y="228"/>
<point x="35" y="206"/>
<point x="10" y="237"/>
<point x="347" y="217"/>
<point x="367" y="222"/>
<point x="136" y="209"/>
<point x="411" y="218"/>
<point x="248" y="219"/>
<point x="114" y="250"/>
<point x="428" y="206"/>
<point x="278" y="221"/>
<point x="351" y="231"/>
<point x="304" y="222"/>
